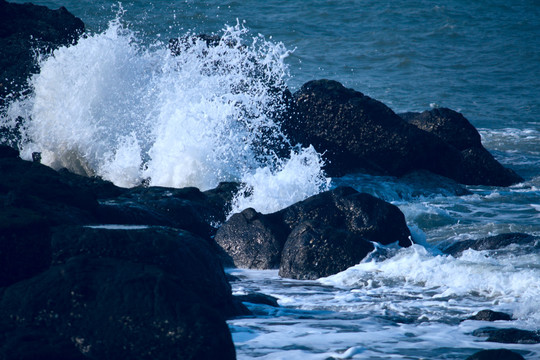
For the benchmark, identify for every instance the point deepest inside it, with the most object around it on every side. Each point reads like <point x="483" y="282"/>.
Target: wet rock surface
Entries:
<point x="23" y="29"/>
<point x="508" y="336"/>
<point x="358" y="133"/>
<point x="496" y="354"/>
<point x="490" y="315"/>
<point x="492" y="243"/>
<point x="320" y="236"/>
<point x="72" y="287"/>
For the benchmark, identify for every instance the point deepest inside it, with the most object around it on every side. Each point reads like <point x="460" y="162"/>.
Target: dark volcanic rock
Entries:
<point x="356" y="132"/>
<point x="359" y="213"/>
<point x="478" y="165"/>
<point x="39" y="344"/>
<point x="319" y="236"/>
<point x="187" y="208"/>
<point x="509" y="336"/>
<point x="252" y="240"/>
<point x="23" y="29"/>
<point x="496" y="354"/>
<point x="258" y="298"/>
<point x="448" y="125"/>
<point x="25" y="247"/>
<point x="179" y="253"/>
<point x="491" y="243"/>
<point x="490" y="315"/>
<point x="111" y="309"/>
<point x="313" y="251"/>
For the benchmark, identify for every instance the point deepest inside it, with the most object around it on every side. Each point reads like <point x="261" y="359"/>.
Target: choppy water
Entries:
<point x="119" y="106"/>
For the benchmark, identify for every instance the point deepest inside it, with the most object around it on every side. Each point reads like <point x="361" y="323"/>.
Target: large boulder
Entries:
<point x="182" y="254"/>
<point x="448" y="125"/>
<point x="110" y="309"/>
<point x="319" y="236"/>
<point x="313" y="251"/>
<point x="479" y="166"/>
<point x="25" y="28"/>
<point x="252" y="240"/>
<point x="356" y="132"/>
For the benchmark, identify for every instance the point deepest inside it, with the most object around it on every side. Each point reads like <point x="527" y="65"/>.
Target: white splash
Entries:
<point x="113" y="108"/>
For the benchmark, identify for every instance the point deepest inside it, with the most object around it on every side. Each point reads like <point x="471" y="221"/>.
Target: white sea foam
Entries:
<point x="500" y="280"/>
<point x="129" y="113"/>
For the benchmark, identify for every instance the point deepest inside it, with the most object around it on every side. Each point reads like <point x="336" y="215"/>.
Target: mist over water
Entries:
<point x="131" y="113"/>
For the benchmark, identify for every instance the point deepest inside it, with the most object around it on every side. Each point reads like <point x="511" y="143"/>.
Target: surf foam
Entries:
<point x="112" y="107"/>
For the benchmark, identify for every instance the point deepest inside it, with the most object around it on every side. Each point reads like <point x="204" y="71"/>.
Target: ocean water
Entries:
<point x="119" y="106"/>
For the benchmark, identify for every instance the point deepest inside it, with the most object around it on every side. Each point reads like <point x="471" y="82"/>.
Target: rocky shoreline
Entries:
<point x="93" y="271"/>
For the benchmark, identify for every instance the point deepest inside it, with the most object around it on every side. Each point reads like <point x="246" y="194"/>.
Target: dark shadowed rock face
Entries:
<point x="70" y="289"/>
<point x="509" y="336"/>
<point x="358" y="213"/>
<point x="490" y="315"/>
<point x="492" y="243"/>
<point x="179" y="253"/>
<point x="112" y="309"/>
<point x="478" y="165"/>
<point x="25" y="28"/>
<point x="448" y="125"/>
<point x="252" y="240"/>
<point x="313" y="251"/>
<point x="356" y="132"/>
<point x="496" y="354"/>
<point x="322" y="235"/>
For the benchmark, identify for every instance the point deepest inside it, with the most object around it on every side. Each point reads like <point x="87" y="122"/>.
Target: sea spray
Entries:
<point x="196" y="116"/>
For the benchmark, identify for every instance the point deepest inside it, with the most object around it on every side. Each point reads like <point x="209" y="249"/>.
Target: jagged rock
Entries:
<point x="25" y="28"/>
<point x="496" y="354"/>
<point x="321" y="235"/>
<point x="187" y="208"/>
<point x="491" y="243"/>
<point x="490" y="315"/>
<point x="508" y="336"/>
<point x="25" y="247"/>
<point x="356" y="132"/>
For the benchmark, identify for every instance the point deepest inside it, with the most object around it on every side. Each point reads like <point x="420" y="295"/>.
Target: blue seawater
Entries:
<point x="481" y="58"/>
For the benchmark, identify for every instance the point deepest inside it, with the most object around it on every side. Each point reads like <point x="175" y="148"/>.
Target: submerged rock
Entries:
<point x="509" y="336"/>
<point x="491" y="243"/>
<point x="356" y="132"/>
<point x="320" y="236"/>
<point x="490" y="315"/>
<point x="496" y="354"/>
<point x="259" y="298"/>
<point x="24" y="29"/>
